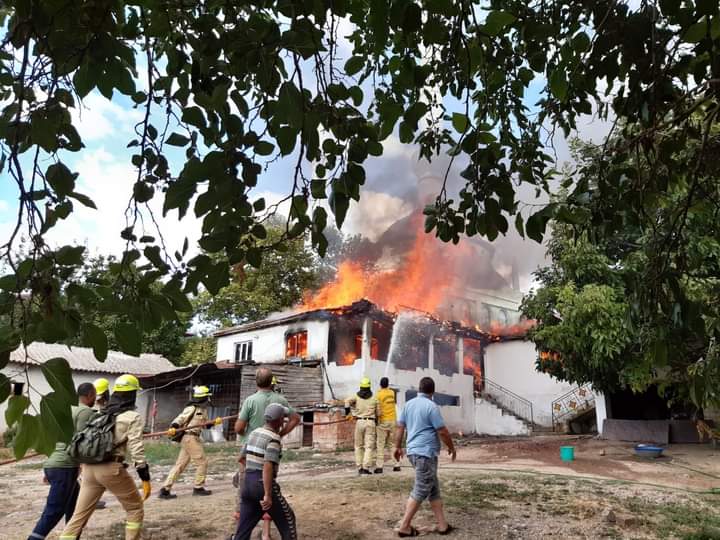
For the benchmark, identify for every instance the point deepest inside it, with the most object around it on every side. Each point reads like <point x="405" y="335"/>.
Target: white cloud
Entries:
<point x="97" y="118"/>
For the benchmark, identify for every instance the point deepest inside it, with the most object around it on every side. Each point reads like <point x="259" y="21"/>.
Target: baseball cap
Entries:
<point x="275" y="411"/>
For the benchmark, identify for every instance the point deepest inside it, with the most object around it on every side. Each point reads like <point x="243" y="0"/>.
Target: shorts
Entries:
<point x="426" y="485"/>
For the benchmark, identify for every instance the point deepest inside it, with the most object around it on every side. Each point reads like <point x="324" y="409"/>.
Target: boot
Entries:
<point x="396" y="468"/>
<point x="201" y="491"/>
<point x="363" y="471"/>
<point x="378" y="470"/>
<point x="165" y="494"/>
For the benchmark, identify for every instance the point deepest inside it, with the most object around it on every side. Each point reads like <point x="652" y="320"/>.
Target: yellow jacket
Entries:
<point x="363" y="408"/>
<point x="386" y="398"/>
<point x="192" y="415"/>
<point x="128" y="437"/>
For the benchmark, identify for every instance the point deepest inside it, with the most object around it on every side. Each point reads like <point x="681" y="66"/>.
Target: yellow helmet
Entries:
<point x="126" y="383"/>
<point x="274" y="380"/>
<point x="201" y="392"/>
<point x="101" y="385"/>
<point x="365" y="383"/>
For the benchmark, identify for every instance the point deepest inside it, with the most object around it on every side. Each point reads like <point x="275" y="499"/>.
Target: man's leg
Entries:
<point x="436" y="502"/>
<point x="182" y="461"/>
<point x="421" y="490"/>
<point x="251" y="511"/>
<point x="381" y="433"/>
<point x="119" y="482"/>
<point x="73" y="495"/>
<point x="90" y="492"/>
<point x="359" y="441"/>
<point x="282" y="515"/>
<point x="197" y="454"/>
<point x="62" y="482"/>
<point x="390" y="443"/>
<point x="369" y="444"/>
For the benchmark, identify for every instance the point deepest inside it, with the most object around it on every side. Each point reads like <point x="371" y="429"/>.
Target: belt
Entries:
<point x="365" y="418"/>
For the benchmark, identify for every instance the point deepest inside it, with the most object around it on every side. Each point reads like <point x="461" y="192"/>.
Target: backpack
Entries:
<point x="96" y="442"/>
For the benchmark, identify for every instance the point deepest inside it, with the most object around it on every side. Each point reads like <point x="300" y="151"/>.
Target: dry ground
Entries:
<point x="498" y="488"/>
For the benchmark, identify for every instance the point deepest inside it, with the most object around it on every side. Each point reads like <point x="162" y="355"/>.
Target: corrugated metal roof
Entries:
<point x="83" y="359"/>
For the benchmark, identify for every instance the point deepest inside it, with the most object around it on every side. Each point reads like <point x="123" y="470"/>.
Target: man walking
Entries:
<point x="261" y="492"/>
<point x="364" y="407"/>
<point x="385" y="431"/>
<point x="425" y="428"/>
<point x="127" y="429"/>
<point x="252" y="417"/>
<point x="194" y="417"/>
<point x="61" y="471"/>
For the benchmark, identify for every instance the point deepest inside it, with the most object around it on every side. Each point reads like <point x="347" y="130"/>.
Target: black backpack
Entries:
<point x="96" y="442"/>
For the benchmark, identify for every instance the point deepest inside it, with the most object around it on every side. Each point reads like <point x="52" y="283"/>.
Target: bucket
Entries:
<point x="567" y="453"/>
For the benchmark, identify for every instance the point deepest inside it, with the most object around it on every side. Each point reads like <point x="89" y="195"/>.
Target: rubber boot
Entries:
<point x="165" y="494"/>
<point x="202" y="492"/>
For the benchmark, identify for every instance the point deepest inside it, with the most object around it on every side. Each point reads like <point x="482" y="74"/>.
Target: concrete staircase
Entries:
<point x="493" y="419"/>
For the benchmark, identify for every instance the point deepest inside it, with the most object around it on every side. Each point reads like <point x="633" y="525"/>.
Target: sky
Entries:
<point x="107" y="177"/>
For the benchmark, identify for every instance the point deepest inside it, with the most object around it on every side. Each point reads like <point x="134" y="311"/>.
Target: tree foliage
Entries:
<point x="225" y="88"/>
<point x="631" y="300"/>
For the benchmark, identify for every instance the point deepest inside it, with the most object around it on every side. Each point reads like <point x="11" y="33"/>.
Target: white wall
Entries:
<point x="490" y="420"/>
<point x="39" y="386"/>
<point x="601" y="411"/>
<point x="269" y="343"/>
<point x="511" y="364"/>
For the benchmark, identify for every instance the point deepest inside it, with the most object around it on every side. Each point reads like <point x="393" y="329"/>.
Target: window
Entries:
<point x="442" y="400"/>
<point x="374" y="349"/>
<point x="296" y="345"/>
<point x="243" y="352"/>
<point x="445" y="357"/>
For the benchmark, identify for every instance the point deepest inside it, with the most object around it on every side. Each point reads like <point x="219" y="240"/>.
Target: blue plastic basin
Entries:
<point x="648" y="450"/>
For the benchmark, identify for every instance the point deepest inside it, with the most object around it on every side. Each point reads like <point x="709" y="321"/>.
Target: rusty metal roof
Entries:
<point x="83" y="359"/>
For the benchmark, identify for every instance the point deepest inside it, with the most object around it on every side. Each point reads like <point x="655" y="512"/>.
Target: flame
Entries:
<point x="472" y="350"/>
<point x="347" y="359"/>
<point x="505" y="330"/>
<point x="420" y="281"/>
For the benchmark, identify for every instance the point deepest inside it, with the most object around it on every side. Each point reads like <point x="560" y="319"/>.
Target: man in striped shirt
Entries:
<point x="260" y="491"/>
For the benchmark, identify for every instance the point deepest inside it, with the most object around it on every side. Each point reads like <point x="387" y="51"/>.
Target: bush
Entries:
<point x="9" y="436"/>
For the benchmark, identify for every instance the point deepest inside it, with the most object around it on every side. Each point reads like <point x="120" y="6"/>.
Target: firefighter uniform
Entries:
<point x="365" y="410"/>
<point x="385" y="432"/>
<point x="195" y="417"/>
<point x="113" y="476"/>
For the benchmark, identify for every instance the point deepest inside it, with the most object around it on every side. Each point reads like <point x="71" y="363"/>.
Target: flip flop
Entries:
<point x="413" y="532"/>
<point x="449" y="529"/>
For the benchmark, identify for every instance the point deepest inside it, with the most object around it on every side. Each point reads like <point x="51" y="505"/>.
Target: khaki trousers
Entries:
<point x="385" y="433"/>
<point x="191" y="449"/>
<point x="95" y="480"/>
<point x="364" y="443"/>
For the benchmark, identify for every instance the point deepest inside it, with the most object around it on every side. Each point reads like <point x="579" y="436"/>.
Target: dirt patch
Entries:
<point x="591" y="498"/>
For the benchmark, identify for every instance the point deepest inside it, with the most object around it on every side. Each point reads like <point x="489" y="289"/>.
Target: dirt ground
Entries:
<point x="497" y="489"/>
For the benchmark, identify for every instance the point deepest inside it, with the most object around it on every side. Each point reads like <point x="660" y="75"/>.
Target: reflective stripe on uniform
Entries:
<point x="36" y="535"/>
<point x="68" y="537"/>
<point x="133" y="525"/>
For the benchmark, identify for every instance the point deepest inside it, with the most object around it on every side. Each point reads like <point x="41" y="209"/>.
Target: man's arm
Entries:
<point x="242" y="420"/>
<point x="292" y="422"/>
<point x="267" y="475"/>
<point x="445" y="437"/>
<point x="399" y="435"/>
<point x="240" y="426"/>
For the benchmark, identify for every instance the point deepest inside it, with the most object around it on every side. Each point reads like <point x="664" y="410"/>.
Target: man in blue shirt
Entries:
<point x="425" y="428"/>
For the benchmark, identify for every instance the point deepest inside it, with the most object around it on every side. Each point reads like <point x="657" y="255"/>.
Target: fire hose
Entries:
<point x="180" y="430"/>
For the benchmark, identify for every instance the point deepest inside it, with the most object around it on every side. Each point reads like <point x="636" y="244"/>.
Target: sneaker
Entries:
<point x="201" y="492"/>
<point x="396" y="468"/>
<point x="165" y="494"/>
<point x="378" y="470"/>
<point x="100" y="505"/>
<point x="363" y="471"/>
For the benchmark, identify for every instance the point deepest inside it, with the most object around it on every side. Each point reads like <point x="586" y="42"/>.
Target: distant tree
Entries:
<point x="198" y="350"/>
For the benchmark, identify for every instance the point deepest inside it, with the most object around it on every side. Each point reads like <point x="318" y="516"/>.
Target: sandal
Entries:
<point x="413" y="532"/>
<point x="448" y="530"/>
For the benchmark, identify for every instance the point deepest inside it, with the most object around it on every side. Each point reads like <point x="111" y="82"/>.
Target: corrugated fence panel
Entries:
<point x="302" y="386"/>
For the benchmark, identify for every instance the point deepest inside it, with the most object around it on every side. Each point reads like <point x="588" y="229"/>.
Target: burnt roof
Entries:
<point x="361" y="307"/>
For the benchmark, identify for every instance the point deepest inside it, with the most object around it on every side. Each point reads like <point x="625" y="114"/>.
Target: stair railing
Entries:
<point x="507" y="399"/>
<point x="568" y="405"/>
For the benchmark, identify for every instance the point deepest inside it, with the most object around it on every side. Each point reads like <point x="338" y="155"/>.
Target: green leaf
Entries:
<point x="56" y="416"/>
<point x="28" y="430"/>
<point x="58" y="374"/>
<point x="83" y="199"/>
<point x="128" y="338"/>
<point x="175" y="139"/>
<point x="15" y="409"/>
<point x="60" y="179"/>
<point x="460" y="122"/>
<point x="558" y="84"/>
<point x="696" y="32"/>
<point x="339" y="204"/>
<point x="355" y="64"/>
<point x="4" y="388"/>
<point x="94" y="336"/>
<point x="264" y="148"/>
<point x="519" y="225"/>
<point x="497" y="20"/>
<point x="286" y="138"/>
<point x="193" y="116"/>
<point x="70" y="255"/>
<point x="254" y="257"/>
<point x="317" y="189"/>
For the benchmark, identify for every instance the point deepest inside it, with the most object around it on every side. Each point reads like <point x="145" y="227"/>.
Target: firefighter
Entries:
<point x="102" y="388"/>
<point x="385" y="432"/>
<point x="113" y="475"/>
<point x="195" y="417"/>
<point x="365" y="408"/>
